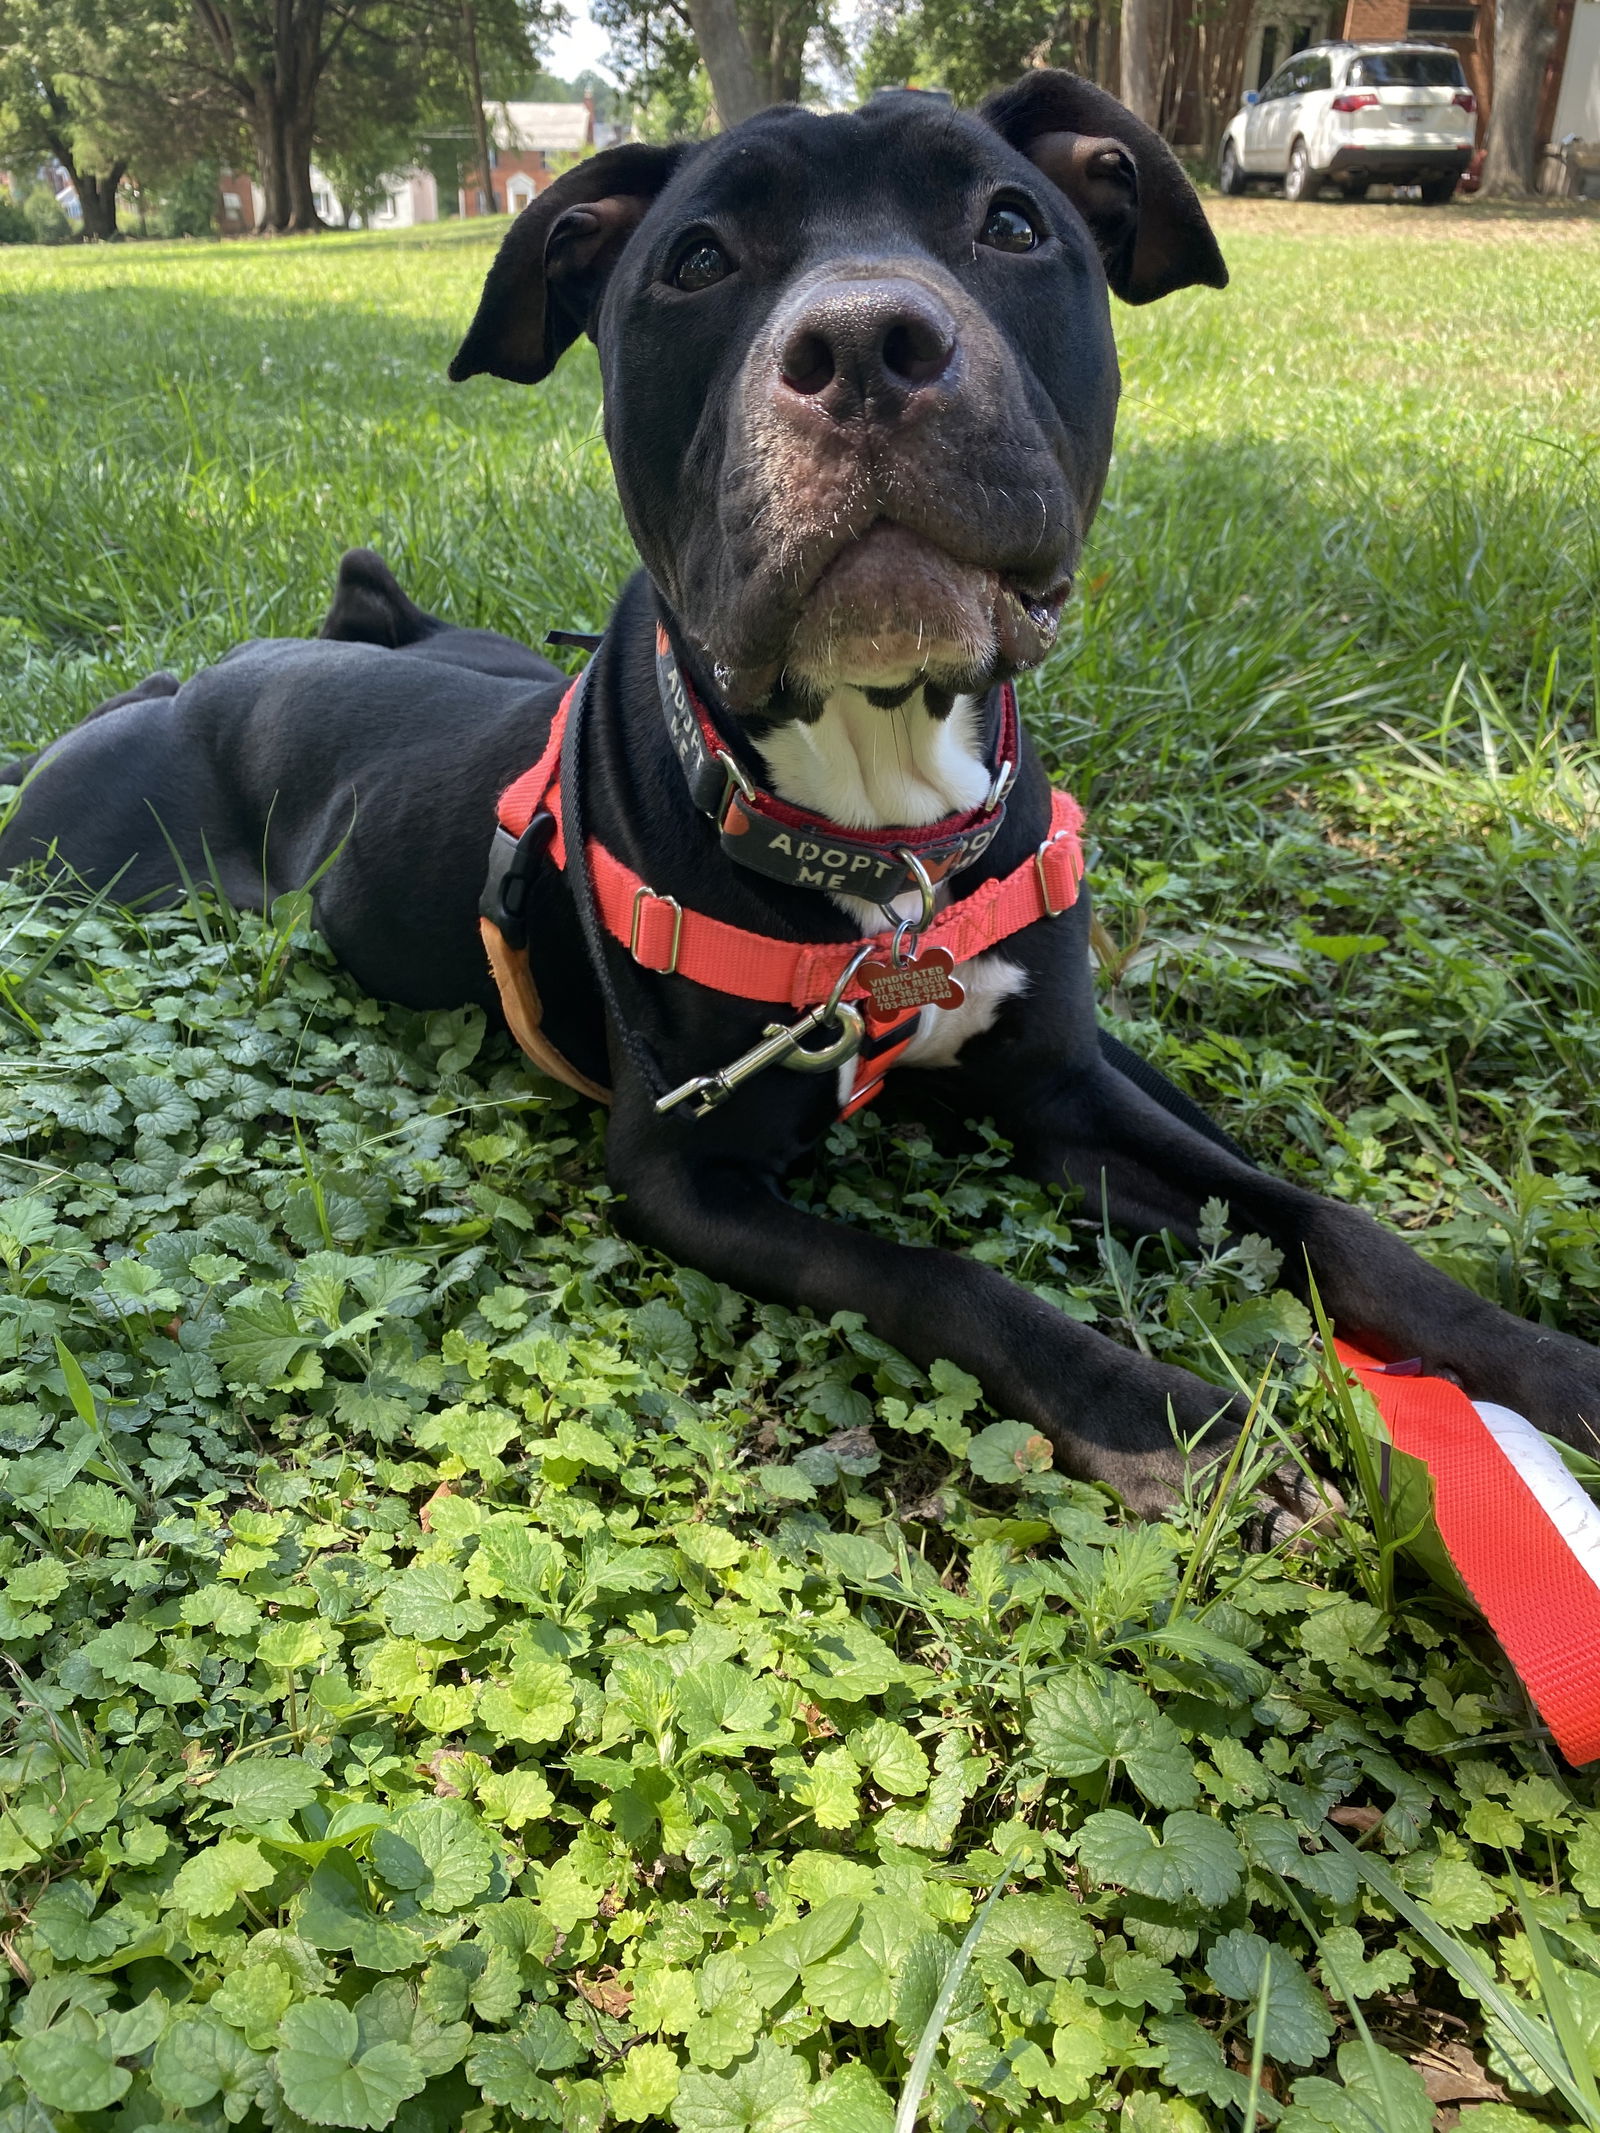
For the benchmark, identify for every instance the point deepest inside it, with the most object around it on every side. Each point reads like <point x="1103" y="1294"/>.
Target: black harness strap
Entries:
<point x="594" y="935"/>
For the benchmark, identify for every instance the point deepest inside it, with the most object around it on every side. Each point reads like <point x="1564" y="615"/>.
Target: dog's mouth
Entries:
<point x="892" y="608"/>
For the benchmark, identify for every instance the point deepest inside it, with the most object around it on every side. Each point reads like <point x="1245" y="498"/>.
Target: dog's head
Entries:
<point x="859" y="371"/>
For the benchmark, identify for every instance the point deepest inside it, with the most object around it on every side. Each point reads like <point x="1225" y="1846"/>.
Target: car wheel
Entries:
<point x="1436" y="191"/>
<point x="1356" y="188"/>
<point x="1230" y="171"/>
<point x="1300" y="181"/>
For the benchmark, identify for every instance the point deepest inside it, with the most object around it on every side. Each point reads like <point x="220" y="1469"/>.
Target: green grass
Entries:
<point x="463" y="1672"/>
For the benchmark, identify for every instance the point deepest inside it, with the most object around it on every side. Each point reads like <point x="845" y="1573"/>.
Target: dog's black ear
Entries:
<point x="1120" y="175"/>
<point x="548" y="275"/>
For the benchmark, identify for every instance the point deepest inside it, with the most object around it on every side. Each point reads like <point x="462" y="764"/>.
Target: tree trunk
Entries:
<point x="297" y="171"/>
<point x="97" y="197"/>
<point x="480" y="123"/>
<point x="1521" y="40"/>
<point x="274" y="78"/>
<point x="727" y="60"/>
<point x="272" y="161"/>
<point x="1139" y="23"/>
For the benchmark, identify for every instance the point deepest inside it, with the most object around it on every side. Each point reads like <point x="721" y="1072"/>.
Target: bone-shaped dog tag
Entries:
<point x="895" y="989"/>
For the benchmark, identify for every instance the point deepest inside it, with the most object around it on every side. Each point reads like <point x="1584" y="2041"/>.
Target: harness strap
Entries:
<point x="662" y="936"/>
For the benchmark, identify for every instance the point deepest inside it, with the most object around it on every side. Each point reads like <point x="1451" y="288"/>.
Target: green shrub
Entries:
<point x="44" y="217"/>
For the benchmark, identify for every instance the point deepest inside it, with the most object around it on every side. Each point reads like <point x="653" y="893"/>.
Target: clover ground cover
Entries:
<point x="463" y="1672"/>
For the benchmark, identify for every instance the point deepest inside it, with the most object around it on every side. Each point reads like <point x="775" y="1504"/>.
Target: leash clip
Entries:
<point x="780" y="1045"/>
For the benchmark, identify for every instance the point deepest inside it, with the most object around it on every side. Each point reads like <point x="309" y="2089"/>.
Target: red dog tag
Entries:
<point x="895" y="990"/>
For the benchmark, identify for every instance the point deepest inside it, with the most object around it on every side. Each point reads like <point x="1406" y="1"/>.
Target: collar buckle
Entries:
<point x="734" y="780"/>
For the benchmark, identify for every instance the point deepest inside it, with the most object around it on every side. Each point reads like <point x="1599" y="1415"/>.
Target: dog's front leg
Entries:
<point x="695" y="1190"/>
<point x="1095" y="1127"/>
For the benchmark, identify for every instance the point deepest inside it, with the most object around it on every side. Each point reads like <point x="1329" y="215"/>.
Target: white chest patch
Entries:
<point x="867" y="768"/>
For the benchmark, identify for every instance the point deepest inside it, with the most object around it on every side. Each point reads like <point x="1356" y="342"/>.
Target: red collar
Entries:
<point x="804" y="849"/>
<point x="664" y="937"/>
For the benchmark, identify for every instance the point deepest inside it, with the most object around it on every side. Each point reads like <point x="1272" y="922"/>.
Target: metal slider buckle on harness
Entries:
<point x="642" y="914"/>
<point x="1041" y="867"/>
<point x="780" y="1045"/>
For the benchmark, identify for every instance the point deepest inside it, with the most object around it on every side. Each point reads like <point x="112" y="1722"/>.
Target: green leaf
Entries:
<point x="855" y="1983"/>
<point x="768" y="2093"/>
<point x="260" y="1342"/>
<point x="329" y="2080"/>
<point x="199" y="2058"/>
<point x="645" y="2084"/>
<point x="1085" y="1722"/>
<point x="1053" y="1931"/>
<point x="436" y="1851"/>
<point x="71" y="2068"/>
<point x="1008" y="1452"/>
<point x="831" y="1789"/>
<point x="1378" y="2090"/>
<point x="1298" y="2023"/>
<point x="1191" y="2061"/>
<point x="512" y="1563"/>
<point x="212" y="1881"/>
<point x="891" y="1757"/>
<point x="425" y="1602"/>
<point x="338" y="1912"/>
<point x="265" y="1789"/>
<point x="536" y="1704"/>
<point x="63" y="1917"/>
<point x="1194" y="1856"/>
<point x="666" y="1334"/>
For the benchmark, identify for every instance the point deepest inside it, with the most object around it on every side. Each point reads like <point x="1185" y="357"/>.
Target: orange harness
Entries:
<point x="662" y="936"/>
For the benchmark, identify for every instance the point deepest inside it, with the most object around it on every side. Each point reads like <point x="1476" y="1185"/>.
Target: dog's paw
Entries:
<point x="1293" y="1508"/>
<point x="1157" y="1435"/>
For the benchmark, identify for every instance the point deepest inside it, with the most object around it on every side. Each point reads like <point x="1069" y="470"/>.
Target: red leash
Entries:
<point x="1520" y="1530"/>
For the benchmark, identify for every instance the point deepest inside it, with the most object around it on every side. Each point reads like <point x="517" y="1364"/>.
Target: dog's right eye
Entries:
<point x="701" y="266"/>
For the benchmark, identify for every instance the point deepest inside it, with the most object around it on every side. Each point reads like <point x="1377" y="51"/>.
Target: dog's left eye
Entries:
<point x="1008" y="229"/>
<point x="702" y="266"/>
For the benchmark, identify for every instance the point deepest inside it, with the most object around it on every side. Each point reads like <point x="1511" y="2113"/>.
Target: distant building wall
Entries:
<point x="1578" y="105"/>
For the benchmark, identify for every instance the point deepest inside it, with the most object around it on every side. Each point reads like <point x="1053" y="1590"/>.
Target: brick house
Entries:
<point x="528" y="145"/>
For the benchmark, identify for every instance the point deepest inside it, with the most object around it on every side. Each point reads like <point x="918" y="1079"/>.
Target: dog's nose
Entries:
<point x="867" y="348"/>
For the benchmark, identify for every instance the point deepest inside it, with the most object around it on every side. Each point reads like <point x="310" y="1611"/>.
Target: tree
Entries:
<point x="49" y="107"/>
<point x="752" y="51"/>
<point x="1141" y="33"/>
<point x="1523" y="36"/>
<point x="972" y="46"/>
<point x="727" y="58"/>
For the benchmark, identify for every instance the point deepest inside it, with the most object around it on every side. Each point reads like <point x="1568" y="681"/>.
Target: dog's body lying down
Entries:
<point x="860" y="392"/>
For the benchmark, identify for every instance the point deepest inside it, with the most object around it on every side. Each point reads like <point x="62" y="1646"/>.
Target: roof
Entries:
<point x="559" y="129"/>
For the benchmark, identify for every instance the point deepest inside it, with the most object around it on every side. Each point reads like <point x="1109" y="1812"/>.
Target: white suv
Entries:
<point x="1400" y="114"/>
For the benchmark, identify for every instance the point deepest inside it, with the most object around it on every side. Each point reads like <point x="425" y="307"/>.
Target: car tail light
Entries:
<point x="1466" y="99"/>
<point x="1356" y="100"/>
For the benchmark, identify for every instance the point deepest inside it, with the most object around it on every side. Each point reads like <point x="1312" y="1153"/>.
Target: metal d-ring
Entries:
<point x="834" y="1009"/>
<point x="924" y="884"/>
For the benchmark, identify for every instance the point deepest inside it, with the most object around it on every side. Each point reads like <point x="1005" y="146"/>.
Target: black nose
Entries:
<point x="867" y="347"/>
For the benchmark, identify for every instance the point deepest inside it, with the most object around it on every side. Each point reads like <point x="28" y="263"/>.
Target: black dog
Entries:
<point x="860" y="391"/>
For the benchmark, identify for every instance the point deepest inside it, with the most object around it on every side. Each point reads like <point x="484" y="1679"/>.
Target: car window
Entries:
<point x="1313" y="74"/>
<point x="1280" y="84"/>
<point x="1406" y="70"/>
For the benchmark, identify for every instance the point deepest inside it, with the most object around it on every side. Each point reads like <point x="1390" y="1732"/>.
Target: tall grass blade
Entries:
<point x="921" y="2068"/>
<point x="1535" y="2037"/>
